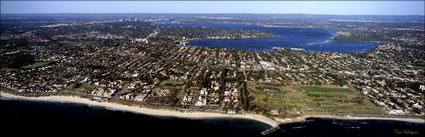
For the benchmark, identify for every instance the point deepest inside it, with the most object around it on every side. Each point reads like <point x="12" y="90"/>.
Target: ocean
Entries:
<point x="309" y="39"/>
<point x="44" y="117"/>
<point x="53" y="118"/>
<point x="323" y="127"/>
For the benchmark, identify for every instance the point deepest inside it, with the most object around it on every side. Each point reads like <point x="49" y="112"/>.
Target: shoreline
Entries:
<point x="142" y="110"/>
<point x="196" y="115"/>
<point x="303" y="118"/>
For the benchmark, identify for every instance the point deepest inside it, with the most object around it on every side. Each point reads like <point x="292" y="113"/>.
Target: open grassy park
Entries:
<point x="336" y="99"/>
<point x="36" y="65"/>
<point x="324" y="89"/>
<point x="330" y="98"/>
<point x="171" y="84"/>
<point x="285" y="97"/>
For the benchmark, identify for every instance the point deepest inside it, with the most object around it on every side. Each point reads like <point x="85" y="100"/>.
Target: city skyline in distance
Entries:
<point x="214" y="7"/>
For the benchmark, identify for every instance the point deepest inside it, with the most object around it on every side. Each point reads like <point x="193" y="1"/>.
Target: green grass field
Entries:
<point x="323" y="98"/>
<point x="84" y="88"/>
<point x="171" y="84"/>
<point x="286" y="97"/>
<point x="35" y="65"/>
<point x="323" y="89"/>
<point x="336" y="99"/>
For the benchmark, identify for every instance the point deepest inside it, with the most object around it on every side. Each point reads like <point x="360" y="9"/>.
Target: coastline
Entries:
<point x="142" y="110"/>
<point x="303" y="118"/>
<point x="197" y="115"/>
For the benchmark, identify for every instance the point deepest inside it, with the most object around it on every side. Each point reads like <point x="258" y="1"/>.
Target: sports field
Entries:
<point x="329" y="98"/>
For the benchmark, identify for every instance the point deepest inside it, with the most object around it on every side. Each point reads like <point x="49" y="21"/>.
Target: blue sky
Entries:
<point x="282" y="7"/>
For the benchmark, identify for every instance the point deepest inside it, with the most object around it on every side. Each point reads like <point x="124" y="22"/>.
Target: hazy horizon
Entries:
<point x="219" y="13"/>
<point x="216" y="7"/>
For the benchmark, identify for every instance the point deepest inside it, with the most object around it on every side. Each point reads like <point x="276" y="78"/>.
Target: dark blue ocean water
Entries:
<point x="320" y="127"/>
<point x="49" y="118"/>
<point x="43" y="117"/>
<point x="310" y="39"/>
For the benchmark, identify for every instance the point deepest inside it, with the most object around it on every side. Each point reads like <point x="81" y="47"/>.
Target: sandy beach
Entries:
<point x="147" y="111"/>
<point x="195" y="115"/>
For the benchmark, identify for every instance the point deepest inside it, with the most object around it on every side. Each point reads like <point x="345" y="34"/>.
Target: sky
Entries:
<point x="261" y="7"/>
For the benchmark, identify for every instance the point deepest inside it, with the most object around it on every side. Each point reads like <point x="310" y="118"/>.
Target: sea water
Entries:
<point x="39" y="117"/>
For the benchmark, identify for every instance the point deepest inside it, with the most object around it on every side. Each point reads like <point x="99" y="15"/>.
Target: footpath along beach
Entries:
<point x="274" y="123"/>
